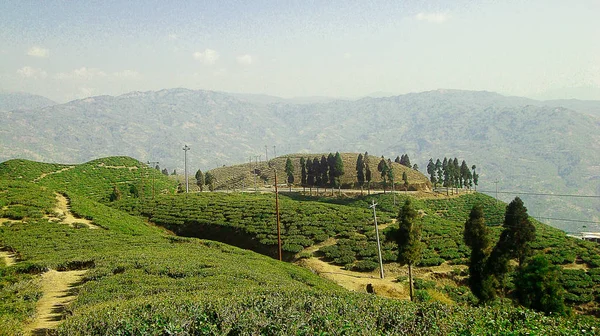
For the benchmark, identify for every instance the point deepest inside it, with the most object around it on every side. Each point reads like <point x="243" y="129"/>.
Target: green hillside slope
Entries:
<point x="141" y="281"/>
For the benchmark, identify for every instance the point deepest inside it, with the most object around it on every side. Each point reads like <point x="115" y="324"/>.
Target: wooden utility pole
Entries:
<point x="373" y="205"/>
<point x="277" y="218"/>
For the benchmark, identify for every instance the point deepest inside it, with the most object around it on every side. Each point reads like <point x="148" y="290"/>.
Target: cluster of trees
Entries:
<point x="207" y="179"/>
<point x="452" y="175"/>
<point x="384" y="167"/>
<point x="324" y="172"/>
<point x="536" y="280"/>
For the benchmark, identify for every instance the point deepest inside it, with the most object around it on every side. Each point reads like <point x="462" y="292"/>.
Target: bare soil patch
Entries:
<point x="59" y="290"/>
<point x="117" y="167"/>
<point x="54" y="172"/>
<point x="64" y="212"/>
<point x="8" y="257"/>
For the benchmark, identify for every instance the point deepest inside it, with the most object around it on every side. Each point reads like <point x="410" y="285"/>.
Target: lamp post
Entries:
<point x="186" y="148"/>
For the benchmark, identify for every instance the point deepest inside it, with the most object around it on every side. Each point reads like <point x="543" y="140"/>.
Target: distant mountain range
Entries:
<point x="21" y="100"/>
<point x="526" y="145"/>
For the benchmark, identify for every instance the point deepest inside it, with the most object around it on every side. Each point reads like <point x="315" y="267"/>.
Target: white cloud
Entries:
<point x="245" y="59"/>
<point x="173" y="36"/>
<point x="208" y="57"/>
<point x="347" y="55"/>
<point x="82" y="73"/>
<point x="127" y="74"/>
<point x="38" y="52"/>
<point x="86" y="92"/>
<point x="34" y="73"/>
<point x="433" y="17"/>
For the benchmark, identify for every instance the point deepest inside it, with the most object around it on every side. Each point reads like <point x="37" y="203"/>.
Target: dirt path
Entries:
<point x="8" y="257"/>
<point x="59" y="290"/>
<point x="117" y="167"/>
<point x="54" y="172"/>
<point x="62" y="209"/>
<point x="357" y="281"/>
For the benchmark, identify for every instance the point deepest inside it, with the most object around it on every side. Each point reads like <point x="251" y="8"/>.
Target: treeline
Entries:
<point x="321" y="172"/>
<point x="450" y="174"/>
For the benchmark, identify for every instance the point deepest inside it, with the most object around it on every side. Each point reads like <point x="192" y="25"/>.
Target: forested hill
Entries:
<point x="525" y="145"/>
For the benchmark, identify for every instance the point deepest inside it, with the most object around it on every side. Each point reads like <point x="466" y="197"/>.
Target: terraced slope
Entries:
<point x="141" y="281"/>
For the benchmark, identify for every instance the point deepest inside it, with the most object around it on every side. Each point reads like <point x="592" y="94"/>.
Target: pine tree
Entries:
<point x="157" y="167"/>
<point x="165" y="172"/>
<point x="360" y="172"/>
<point x="367" y="172"/>
<point x="310" y="177"/>
<point x="405" y="179"/>
<point x="331" y="167"/>
<point x="338" y="169"/>
<point x="476" y="236"/>
<point x="289" y="171"/>
<point x="209" y="180"/>
<point x="475" y="176"/>
<point x="513" y="243"/>
<point x="406" y="161"/>
<point x="431" y="171"/>
<point x="200" y="180"/>
<point x="174" y="172"/>
<point x="317" y="172"/>
<point x="408" y="238"/>
<point x="303" y="178"/>
<point x="382" y="169"/>
<point x="415" y="167"/>
<point x="324" y="166"/>
<point x="464" y="174"/>
<point x="398" y="160"/>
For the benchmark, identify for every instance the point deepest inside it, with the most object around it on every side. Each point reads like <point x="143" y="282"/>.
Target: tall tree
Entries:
<point x="455" y="173"/>
<point x="476" y="236"/>
<point x="360" y="172"/>
<point x="439" y="171"/>
<point x="317" y="172"/>
<point x="514" y="241"/>
<point x="398" y="160"/>
<point x="338" y="170"/>
<point x="174" y="172"/>
<point x="157" y="167"/>
<point x="405" y="161"/>
<point x="475" y="176"/>
<point x="289" y="171"/>
<point x="209" y="180"/>
<point x="537" y="286"/>
<point x="324" y="166"/>
<point x="415" y="167"/>
<point x="408" y="238"/>
<point x="464" y="174"/>
<point x="303" y="178"/>
<point x="331" y="167"/>
<point x="200" y="180"/>
<point x="368" y="176"/>
<point x="431" y="171"/>
<point x="405" y="179"/>
<point x="310" y="175"/>
<point x="382" y="169"/>
<point x="165" y="172"/>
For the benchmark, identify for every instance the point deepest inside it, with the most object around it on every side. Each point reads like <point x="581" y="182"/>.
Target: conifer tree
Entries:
<point x="324" y="166"/>
<point x="317" y="172"/>
<point x="289" y="171"/>
<point x="382" y="169"/>
<point x="360" y="172"/>
<point x="415" y="167"/>
<point x="367" y="172"/>
<point x="209" y="180"/>
<point x="331" y="168"/>
<point x="476" y="236"/>
<point x="157" y="167"/>
<point x="303" y="177"/>
<point x="432" y="172"/>
<point x="165" y="172"/>
<point x="200" y="180"/>
<point x="464" y="174"/>
<point x="405" y="179"/>
<point x="338" y="169"/>
<point x="310" y="175"/>
<point x="408" y="238"/>
<point x="398" y="160"/>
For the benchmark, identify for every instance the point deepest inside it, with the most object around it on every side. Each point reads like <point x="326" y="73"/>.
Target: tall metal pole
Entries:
<point x="496" y="182"/>
<point x="151" y="163"/>
<point x="187" y="186"/>
<point x="377" y="234"/>
<point x="277" y="215"/>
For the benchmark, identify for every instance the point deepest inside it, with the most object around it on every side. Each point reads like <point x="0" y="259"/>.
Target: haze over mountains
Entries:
<point x="527" y="145"/>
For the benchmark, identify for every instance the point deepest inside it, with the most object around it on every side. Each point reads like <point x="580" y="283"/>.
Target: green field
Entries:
<point x="143" y="280"/>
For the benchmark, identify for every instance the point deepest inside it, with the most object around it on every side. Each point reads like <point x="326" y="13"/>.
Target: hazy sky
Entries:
<point x="71" y="49"/>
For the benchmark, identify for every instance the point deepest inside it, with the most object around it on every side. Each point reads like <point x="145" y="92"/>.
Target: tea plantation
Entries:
<point x="141" y="280"/>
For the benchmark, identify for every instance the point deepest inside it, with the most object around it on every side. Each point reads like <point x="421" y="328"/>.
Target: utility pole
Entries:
<point x="373" y="205"/>
<point x="152" y="163"/>
<point x="266" y="154"/>
<point x="277" y="217"/>
<point x="186" y="148"/>
<point x="255" y="168"/>
<point x="496" y="182"/>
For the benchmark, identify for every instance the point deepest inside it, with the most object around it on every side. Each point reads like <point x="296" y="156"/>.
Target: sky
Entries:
<point x="66" y="50"/>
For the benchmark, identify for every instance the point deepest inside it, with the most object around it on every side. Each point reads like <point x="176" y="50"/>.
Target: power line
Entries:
<point x="538" y="194"/>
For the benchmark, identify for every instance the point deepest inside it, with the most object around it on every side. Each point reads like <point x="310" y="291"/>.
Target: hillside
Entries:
<point x="526" y="145"/>
<point x="242" y="175"/>
<point x="137" y="279"/>
<point x="23" y="101"/>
